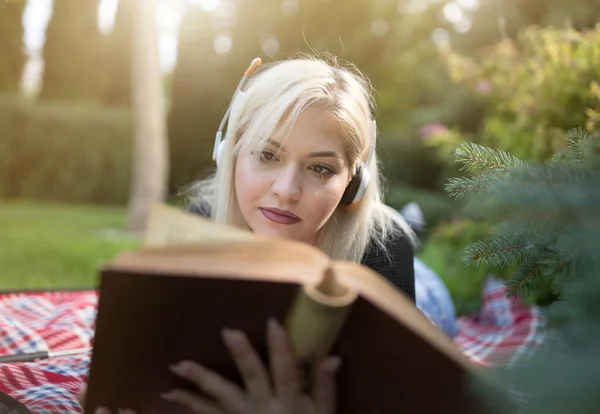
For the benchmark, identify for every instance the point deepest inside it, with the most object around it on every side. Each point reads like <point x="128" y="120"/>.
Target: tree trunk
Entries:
<point x="150" y="151"/>
<point x="72" y="66"/>
<point x="11" y="45"/>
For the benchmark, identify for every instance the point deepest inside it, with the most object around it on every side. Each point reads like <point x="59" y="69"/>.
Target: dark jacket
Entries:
<point x="397" y="265"/>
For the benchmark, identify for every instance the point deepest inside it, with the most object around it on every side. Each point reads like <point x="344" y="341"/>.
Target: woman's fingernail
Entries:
<point x="333" y="364"/>
<point x="232" y="337"/>
<point x="274" y="326"/>
<point x="226" y="333"/>
<point x="166" y="395"/>
<point x="102" y="410"/>
<point x="184" y="368"/>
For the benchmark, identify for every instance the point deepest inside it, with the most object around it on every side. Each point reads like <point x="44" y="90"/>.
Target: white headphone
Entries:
<point x="356" y="189"/>
<point x="219" y="143"/>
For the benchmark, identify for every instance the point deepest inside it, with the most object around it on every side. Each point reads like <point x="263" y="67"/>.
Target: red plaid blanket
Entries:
<point x="30" y="322"/>
<point x="502" y="331"/>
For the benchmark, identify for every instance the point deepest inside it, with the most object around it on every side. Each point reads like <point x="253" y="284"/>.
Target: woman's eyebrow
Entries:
<point x="276" y="144"/>
<point x="324" y="154"/>
<point x="315" y="154"/>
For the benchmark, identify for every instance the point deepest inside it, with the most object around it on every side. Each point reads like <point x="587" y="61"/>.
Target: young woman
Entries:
<point x="297" y="161"/>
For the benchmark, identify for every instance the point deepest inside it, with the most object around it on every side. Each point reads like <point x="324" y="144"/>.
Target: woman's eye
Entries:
<point x="267" y="156"/>
<point x="322" y="170"/>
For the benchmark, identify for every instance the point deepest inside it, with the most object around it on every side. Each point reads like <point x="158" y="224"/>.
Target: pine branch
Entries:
<point x="524" y="278"/>
<point x="543" y="233"/>
<point x="578" y="138"/>
<point x="477" y="159"/>
<point x="548" y="174"/>
<point x="499" y="251"/>
<point x="562" y="157"/>
<point x="548" y="192"/>
<point x="549" y="218"/>
<point x="460" y="187"/>
<point x="561" y="267"/>
<point x="592" y="150"/>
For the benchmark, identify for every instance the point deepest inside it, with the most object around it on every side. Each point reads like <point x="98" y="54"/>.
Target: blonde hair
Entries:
<point x="274" y="96"/>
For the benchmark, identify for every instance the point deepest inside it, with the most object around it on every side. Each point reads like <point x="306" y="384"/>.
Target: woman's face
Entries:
<point x="292" y="190"/>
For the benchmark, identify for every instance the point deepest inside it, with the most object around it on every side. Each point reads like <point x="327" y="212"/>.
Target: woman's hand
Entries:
<point x="280" y="394"/>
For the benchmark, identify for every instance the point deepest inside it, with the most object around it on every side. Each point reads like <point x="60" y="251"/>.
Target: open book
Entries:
<point x="168" y="301"/>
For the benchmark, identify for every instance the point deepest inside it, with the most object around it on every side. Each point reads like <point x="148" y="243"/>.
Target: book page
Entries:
<point x="380" y="292"/>
<point x="168" y="225"/>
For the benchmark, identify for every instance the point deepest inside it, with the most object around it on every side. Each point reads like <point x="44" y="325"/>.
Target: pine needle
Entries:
<point x="477" y="159"/>
<point x="460" y="187"/>
<point x="498" y="251"/>
<point x="551" y="192"/>
<point x="523" y="279"/>
<point x="578" y="138"/>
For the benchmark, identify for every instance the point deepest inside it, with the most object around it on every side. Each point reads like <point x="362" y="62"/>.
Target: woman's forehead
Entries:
<point x="315" y="129"/>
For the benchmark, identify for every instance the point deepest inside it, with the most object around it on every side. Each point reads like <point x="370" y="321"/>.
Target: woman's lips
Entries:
<point x="280" y="216"/>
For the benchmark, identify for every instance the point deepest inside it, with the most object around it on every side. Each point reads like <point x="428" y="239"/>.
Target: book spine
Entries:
<point x="313" y="325"/>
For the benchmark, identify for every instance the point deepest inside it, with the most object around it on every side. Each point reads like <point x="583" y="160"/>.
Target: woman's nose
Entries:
<point x="287" y="184"/>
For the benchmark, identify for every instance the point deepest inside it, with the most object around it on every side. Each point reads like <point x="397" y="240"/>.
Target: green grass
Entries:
<point x="57" y="246"/>
<point x="60" y="246"/>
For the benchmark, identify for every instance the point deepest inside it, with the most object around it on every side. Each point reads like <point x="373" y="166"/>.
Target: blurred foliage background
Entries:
<point x="510" y="74"/>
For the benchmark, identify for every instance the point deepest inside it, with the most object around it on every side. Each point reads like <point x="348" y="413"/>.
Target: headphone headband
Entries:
<point x="359" y="183"/>
<point x="372" y="141"/>
<point x="256" y="62"/>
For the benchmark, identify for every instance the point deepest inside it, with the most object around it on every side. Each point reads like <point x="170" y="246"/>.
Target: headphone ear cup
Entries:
<point x="365" y="180"/>
<point x="357" y="187"/>
<point x="219" y="156"/>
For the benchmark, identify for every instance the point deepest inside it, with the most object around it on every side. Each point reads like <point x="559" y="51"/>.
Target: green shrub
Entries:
<point x="443" y="252"/>
<point x="68" y="152"/>
<point x="437" y="207"/>
<point x="537" y="88"/>
<point x="548" y="230"/>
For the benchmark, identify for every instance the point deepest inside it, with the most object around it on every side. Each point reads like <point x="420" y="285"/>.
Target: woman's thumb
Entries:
<point x="324" y="386"/>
